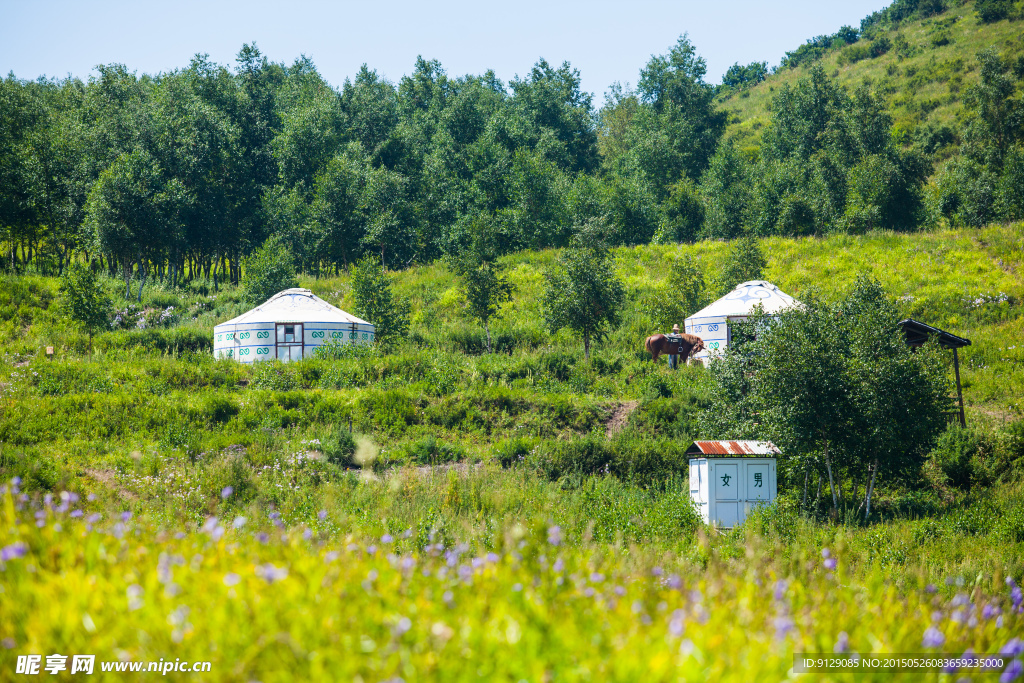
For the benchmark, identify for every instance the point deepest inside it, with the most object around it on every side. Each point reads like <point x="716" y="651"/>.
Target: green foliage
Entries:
<point x="377" y="304"/>
<point x="739" y="76"/>
<point x="681" y="294"/>
<point x="834" y="384"/>
<point x="83" y="300"/>
<point x="956" y="453"/>
<point x="745" y="262"/>
<point x="583" y="293"/>
<point x="993" y="10"/>
<point x="485" y="287"/>
<point x="270" y="269"/>
<point x="339" y="447"/>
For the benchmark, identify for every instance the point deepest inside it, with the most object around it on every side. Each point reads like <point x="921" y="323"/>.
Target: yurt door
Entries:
<point x="289" y="341"/>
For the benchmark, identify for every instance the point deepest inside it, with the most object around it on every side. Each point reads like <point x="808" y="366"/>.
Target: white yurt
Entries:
<point x="287" y="326"/>
<point x="712" y="323"/>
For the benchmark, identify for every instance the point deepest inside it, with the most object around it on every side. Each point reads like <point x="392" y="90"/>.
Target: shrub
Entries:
<point x="430" y="450"/>
<point x="176" y="341"/>
<point x="959" y="453"/>
<point x="273" y="375"/>
<point x="993" y="10"/>
<point x="339" y="447"/>
<point x="515" y="450"/>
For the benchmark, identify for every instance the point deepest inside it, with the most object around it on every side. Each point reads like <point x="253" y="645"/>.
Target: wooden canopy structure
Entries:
<point x="917" y="333"/>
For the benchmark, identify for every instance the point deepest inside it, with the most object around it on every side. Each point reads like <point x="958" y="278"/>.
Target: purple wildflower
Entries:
<point x="239" y="522"/>
<point x="930" y="588"/>
<point x="780" y="589"/>
<point x="125" y="516"/>
<point x="558" y="566"/>
<point x="226" y="492"/>
<point x="12" y="551"/>
<point x="76" y="514"/>
<point x="596" y="577"/>
<point x="826" y="553"/>
<point x="493" y="558"/>
<point x="386" y="538"/>
<point x="830" y="564"/>
<point x="933" y="638"/>
<point x="262" y="537"/>
<point x="403" y="626"/>
<point x="322" y="515"/>
<point x="231" y="579"/>
<point x="272" y="573"/>
<point x="307" y="534"/>
<point x="555" y="535"/>
<point x="674" y="582"/>
<point x="783" y="625"/>
<point x="842" y="643"/>
<point x="1012" y="672"/>
<point x="677" y="624"/>
<point x="1013" y="647"/>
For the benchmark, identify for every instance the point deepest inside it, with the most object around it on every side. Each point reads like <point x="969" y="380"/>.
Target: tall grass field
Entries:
<point x="434" y="512"/>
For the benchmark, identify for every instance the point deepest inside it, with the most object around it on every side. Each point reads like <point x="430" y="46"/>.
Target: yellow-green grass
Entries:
<point x="948" y="69"/>
<point x="303" y="604"/>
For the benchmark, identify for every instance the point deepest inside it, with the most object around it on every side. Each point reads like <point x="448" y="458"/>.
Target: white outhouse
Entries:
<point x="288" y="326"/>
<point x="713" y="322"/>
<point x="728" y="478"/>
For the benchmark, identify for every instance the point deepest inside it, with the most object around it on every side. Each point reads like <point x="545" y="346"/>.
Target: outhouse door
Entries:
<point x="289" y="341"/>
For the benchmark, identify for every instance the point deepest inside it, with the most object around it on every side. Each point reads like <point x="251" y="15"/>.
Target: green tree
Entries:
<point x="485" y="286"/>
<point x="835" y="382"/>
<point x="582" y="292"/>
<point x="83" y="300"/>
<point x="376" y="302"/>
<point x="745" y="262"/>
<point x="683" y="293"/>
<point x="269" y="270"/>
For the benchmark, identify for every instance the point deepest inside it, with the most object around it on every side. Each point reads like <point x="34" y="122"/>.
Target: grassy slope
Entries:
<point x="926" y="87"/>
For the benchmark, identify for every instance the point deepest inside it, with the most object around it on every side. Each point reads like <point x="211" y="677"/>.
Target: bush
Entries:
<point x="273" y="375"/>
<point x="177" y="341"/>
<point x="993" y="10"/>
<point x="959" y="453"/>
<point x="339" y="447"/>
<point x="432" y="451"/>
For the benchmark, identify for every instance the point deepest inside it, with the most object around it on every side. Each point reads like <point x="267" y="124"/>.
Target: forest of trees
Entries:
<point x="183" y="174"/>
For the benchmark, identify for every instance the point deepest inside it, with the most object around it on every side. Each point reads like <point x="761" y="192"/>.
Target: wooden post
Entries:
<point x="959" y="390"/>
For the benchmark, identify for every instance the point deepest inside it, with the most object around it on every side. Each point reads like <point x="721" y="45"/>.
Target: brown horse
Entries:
<point x="658" y="344"/>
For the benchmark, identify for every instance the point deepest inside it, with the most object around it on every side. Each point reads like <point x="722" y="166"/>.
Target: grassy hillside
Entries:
<point x="156" y="504"/>
<point x="922" y="76"/>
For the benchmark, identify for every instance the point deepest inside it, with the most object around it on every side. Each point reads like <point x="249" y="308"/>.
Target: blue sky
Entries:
<point x="606" y="41"/>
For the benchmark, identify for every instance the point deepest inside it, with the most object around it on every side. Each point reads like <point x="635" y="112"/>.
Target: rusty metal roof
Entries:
<point x="734" y="448"/>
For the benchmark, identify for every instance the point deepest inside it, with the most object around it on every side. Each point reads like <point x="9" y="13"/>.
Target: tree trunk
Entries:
<point x="817" y="494"/>
<point x="487" y="328"/>
<point x="831" y="479"/>
<point x="142" y="278"/>
<point x="127" y="280"/>
<point x="871" y="489"/>
<point x="807" y="476"/>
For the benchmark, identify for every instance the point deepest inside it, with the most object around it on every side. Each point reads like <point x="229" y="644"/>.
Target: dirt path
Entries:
<point x="620" y="417"/>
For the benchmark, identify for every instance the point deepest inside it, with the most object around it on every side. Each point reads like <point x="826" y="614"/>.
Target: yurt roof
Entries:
<point x="295" y="306"/>
<point x="742" y="300"/>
